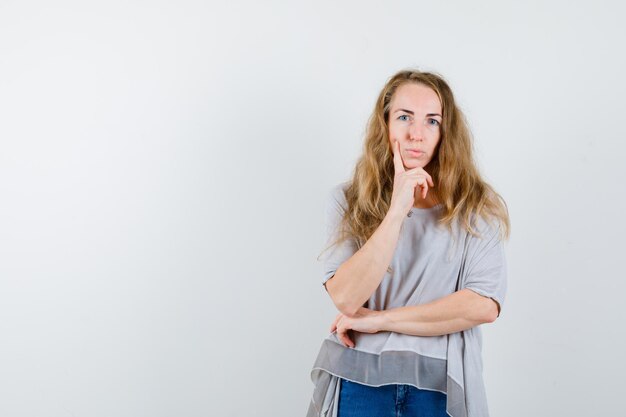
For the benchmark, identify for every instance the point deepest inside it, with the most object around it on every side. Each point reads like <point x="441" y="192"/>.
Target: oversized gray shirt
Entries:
<point x="427" y="264"/>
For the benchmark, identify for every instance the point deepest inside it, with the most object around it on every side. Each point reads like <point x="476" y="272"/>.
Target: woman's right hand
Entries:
<point x="407" y="184"/>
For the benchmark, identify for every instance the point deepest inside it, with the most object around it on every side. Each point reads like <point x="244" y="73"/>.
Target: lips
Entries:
<point x="415" y="152"/>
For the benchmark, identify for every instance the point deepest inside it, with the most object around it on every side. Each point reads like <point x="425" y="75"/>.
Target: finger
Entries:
<point x="350" y="341"/>
<point x="420" y="171"/>
<point x="342" y="334"/>
<point x="428" y="178"/>
<point x="423" y="185"/>
<point x="398" y="163"/>
<point x="345" y="339"/>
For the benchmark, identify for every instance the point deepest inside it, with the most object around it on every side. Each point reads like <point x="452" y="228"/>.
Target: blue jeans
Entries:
<point x="358" y="400"/>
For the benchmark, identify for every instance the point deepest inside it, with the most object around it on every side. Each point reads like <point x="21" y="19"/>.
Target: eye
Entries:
<point x="436" y="122"/>
<point x="401" y="117"/>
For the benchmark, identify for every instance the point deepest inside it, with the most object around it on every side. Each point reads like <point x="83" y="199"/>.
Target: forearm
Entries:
<point x="453" y="313"/>
<point x="357" y="278"/>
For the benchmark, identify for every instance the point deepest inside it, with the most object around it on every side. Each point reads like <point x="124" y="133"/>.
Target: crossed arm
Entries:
<point x="360" y="275"/>
<point x="458" y="311"/>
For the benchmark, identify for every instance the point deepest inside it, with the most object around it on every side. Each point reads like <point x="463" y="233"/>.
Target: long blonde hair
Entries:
<point x="459" y="187"/>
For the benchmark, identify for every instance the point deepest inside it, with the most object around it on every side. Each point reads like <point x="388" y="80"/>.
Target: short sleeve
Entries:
<point x="485" y="269"/>
<point x="338" y="253"/>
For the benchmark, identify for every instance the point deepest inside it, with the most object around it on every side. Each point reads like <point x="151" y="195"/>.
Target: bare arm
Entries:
<point x="357" y="278"/>
<point x="453" y="313"/>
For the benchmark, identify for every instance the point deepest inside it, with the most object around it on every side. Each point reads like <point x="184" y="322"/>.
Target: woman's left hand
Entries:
<point x="364" y="321"/>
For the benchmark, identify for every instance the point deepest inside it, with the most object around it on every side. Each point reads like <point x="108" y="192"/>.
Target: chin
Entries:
<point x="416" y="164"/>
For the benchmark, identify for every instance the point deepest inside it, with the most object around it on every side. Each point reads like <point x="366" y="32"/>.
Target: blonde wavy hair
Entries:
<point x="459" y="186"/>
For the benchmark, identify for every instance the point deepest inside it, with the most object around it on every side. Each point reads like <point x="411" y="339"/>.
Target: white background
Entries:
<point x="164" y="168"/>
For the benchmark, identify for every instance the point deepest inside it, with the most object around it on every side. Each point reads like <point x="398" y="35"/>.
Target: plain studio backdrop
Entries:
<point x="164" y="169"/>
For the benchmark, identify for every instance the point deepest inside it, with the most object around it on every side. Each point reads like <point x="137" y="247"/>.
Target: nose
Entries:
<point x="416" y="131"/>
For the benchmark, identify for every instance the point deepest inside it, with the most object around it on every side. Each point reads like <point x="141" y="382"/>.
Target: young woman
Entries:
<point x="416" y="264"/>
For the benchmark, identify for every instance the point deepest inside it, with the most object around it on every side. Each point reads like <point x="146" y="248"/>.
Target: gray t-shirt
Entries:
<point x="427" y="264"/>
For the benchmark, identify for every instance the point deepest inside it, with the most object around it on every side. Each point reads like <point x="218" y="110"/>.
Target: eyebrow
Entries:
<point x="410" y="112"/>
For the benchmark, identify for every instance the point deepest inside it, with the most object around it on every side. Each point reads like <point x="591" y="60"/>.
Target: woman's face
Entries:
<point x="415" y="119"/>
